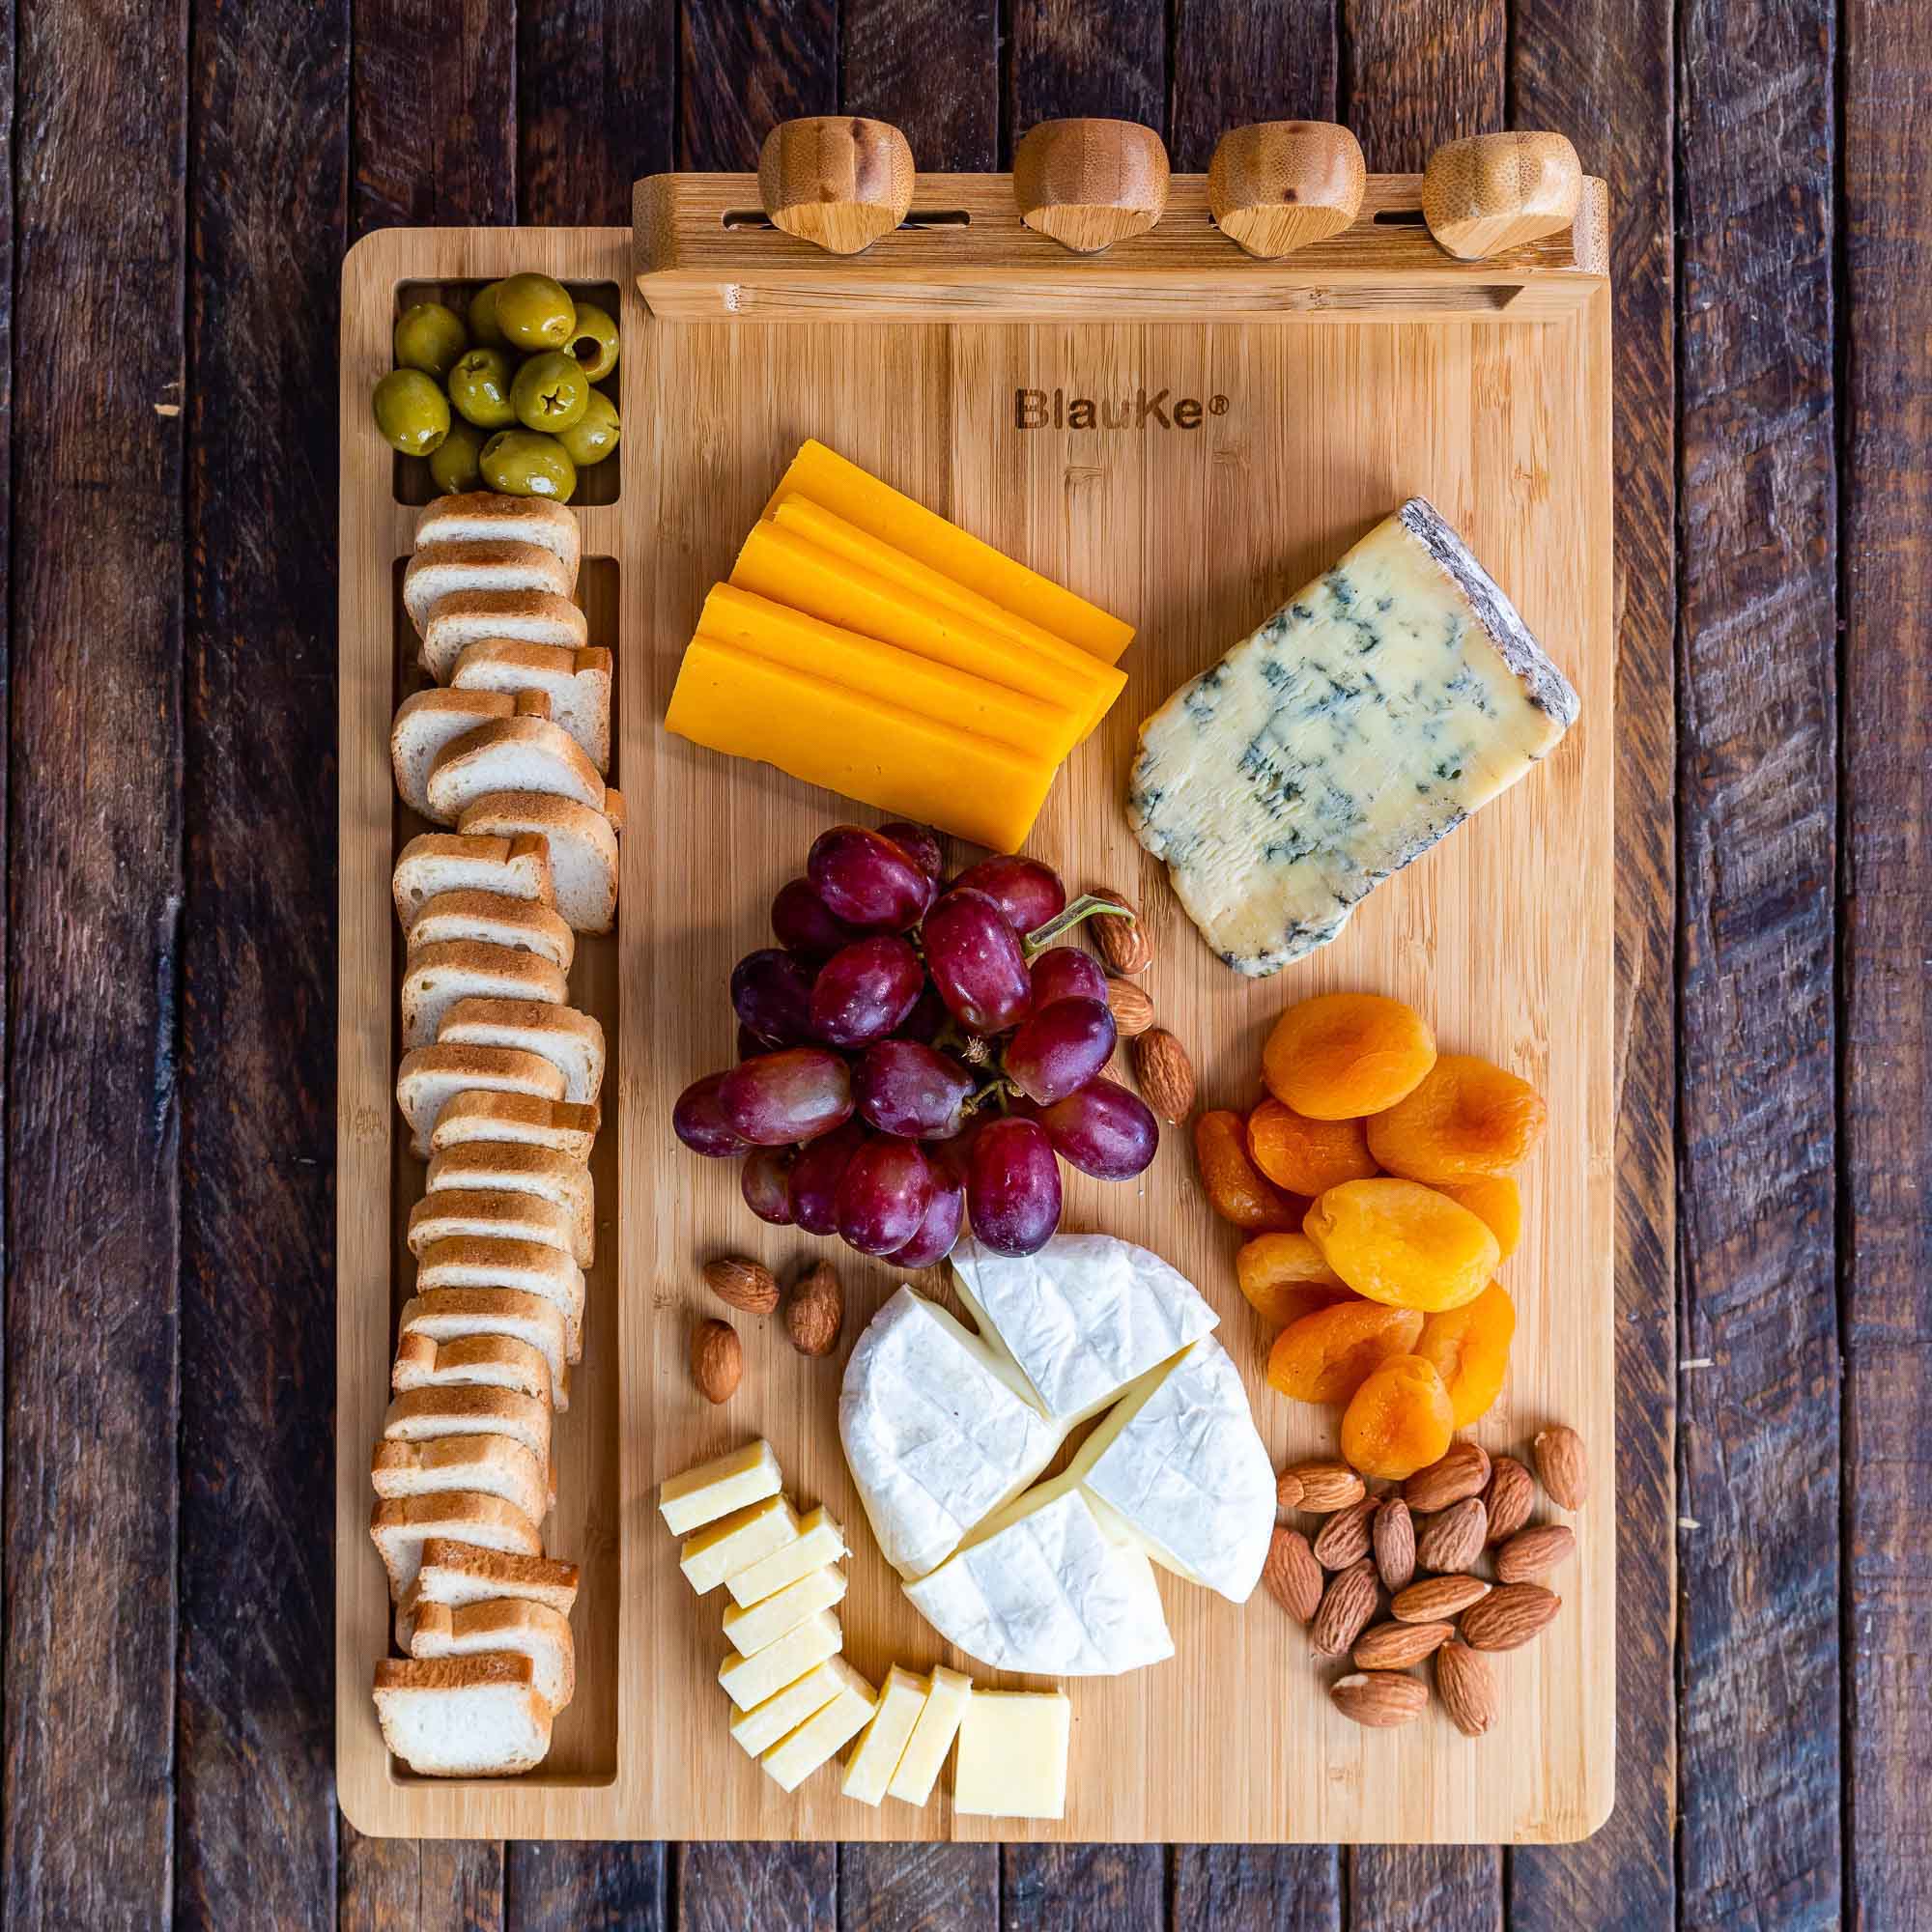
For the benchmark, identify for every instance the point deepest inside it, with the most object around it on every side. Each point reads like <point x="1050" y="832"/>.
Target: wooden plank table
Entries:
<point x="179" y="185"/>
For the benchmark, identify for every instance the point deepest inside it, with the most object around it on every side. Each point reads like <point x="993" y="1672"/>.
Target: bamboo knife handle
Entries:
<point x="1090" y="183"/>
<point x="836" y="180"/>
<point x="1492" y="191"/>
<point x="1276" y="186"/>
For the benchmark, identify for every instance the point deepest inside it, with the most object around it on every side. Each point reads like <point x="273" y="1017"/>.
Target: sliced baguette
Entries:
<point x="434" y="863"/>
<point x="497" y="920"/>
<point x="488" y="1465"/>
<point x="493" y="1166"/>
<point x="431" y="1077"/>
<point x="486" y="1260"/>
<point x="518" y="1120"/>
<point x="472" y="1361"/>
<point x="421" y="1416"/>
<point x="572" y="1041"/>
<point x="445" y="1315"/>
<point x="399" y="1527"/>
<point x="505" y="1622"/>
<point x="426" y="723"/>
<point x="462" y="1717"/>
<point x="582" y="849"/>
<point x="481" y="516"/>
<point x="532" y="616"/>
<point x="496" y="1213"/>
<point x="435" y="977"/>
<point x="447" y="569"/>
<point x="577" y="683"/>
<point x="454" y="1574"/>
<point x="519" y="754"/>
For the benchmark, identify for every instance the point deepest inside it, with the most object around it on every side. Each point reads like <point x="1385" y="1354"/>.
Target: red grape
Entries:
<point x="700" y="1122"/>
<point x="793" y="1095"/>
<point x="904" y="1088"/>
<point x="800" y="922"/>
<point x="864" y="990"/>
<point x="867" y="880"/>
<point x="919" y="844"/>
<point x="937" y="1233"/>
<point x="975" y="959"/>
<point x="883" y="1196"/>
<point x="927" y="1017"/>
<point x="1104" y="1131"/>
<point x="1066" y="973"/>
<point x="771" y="993"/>
<point x="1027" y="892"/>
<point x="1012" y="1190"/>
<point x="765" y="1182"/>
<point x="815" y="1178"/>
<point x="1060" y="1047"/>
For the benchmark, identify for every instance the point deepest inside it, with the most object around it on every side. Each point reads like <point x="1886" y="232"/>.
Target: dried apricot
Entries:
<point x="1283" y="1278"/>
<point x="1239" y="1189"/>
<point x="1327" y="1356"/>
<point x="1467" y="1118"/>
<point x="1401" y="1242"/>
<point x="1470" y="1348"/>
<point x="1306" y="1157"/>
<point x="1342" y="1055"/>
<point x="1399" y="1421"/>
<point x="1494" y="1200"/>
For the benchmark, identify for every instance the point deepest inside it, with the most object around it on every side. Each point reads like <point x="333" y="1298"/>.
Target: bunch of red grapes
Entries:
<point x="914" y="1054"/>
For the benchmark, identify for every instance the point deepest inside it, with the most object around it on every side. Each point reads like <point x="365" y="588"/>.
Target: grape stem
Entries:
<point x="1085" y="907"/>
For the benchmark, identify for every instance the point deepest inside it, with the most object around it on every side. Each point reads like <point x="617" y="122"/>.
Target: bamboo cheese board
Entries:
<point x="1325" y="388"/>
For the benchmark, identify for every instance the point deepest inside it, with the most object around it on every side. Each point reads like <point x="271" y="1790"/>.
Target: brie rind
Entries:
<point x="1083" y="1318"/>
<point x="937" y="1428"/>
<point x="1042" y="1588"/>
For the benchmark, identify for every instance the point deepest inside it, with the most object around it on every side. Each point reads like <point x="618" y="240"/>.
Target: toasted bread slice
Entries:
<point x="577" y="683"/>
<point x="431" y="1077"/>
<point x="447" y="569"/>
<point x="481" y="516"/>
<point x="505" y="1260"/>
<point x="496" y="1213"/>
<point x="435" y="977"/>
<point x="425" y="724"/>
<point x="472" y="1361"/>
<point x="493" y="1166"/>
<point x="518" y="1120"/>
<point x="519" y="754"/>
<point x="534" y="617"/>
<point x="445" y="1315"/>
<point x="583" y="847"/>
<point x="421" y="1416"/>
<point x="400" y="1525"/>
<point x="454" y="1574"/>
<point x="471" y="1629"/>
<point x="462" y="1717"/>
<point x="434" y="863"/>
<point x="490" y="1466"/>
<point x="572" y="1041"/>
<point x="495" y="920"/>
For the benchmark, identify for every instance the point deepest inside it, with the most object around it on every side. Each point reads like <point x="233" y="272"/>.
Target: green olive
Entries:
<point x="521" y="463"/>
<point x="484" y="329"/>
<point x="429" y="337"/>
<point x="549" y="394"/>
<point x="479" y="385"/>
<point x="412" y="411"/>
<point x="593" y="341"/>
<point x="595" y="433"/>
<point x="534" y="312"/>
<point x="456" y="463"/>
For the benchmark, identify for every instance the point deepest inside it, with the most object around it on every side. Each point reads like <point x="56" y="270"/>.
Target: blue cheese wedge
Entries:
<point x="1368" y="717"/>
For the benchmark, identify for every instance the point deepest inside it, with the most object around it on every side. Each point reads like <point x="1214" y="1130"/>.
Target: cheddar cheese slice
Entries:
<point x="731" y="700"/>
<point x="864" y="664"/>
<point x="828" y="479"/>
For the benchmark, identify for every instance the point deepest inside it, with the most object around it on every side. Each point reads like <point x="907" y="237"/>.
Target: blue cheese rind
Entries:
<point x="1361" y="723"/>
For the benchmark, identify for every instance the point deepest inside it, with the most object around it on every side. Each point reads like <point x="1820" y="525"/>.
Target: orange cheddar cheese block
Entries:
<point x="733" y="701"/>
<point x="826" y="477"/>
<point x="876" y="669"/>
<point x="779" y="565"/>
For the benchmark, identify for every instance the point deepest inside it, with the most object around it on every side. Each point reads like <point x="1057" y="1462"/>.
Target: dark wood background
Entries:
<point x="180" y="182"/>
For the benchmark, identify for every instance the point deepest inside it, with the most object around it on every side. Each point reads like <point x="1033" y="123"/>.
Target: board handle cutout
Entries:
<point x="1494" y="191"/>
<point x="1276" y="186"/>
<point x="1090" y="183"/>
<point x="839" y="181"/>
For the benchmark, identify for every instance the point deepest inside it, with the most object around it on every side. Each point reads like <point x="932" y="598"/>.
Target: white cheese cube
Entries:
<point x="733" y="1541"/>
<point x="793" y="1759"/>
<point x="821" y="1541"/>
<point x="1012" y="1754"/>
<point x="881" y="1744"/>
<point x="717" y="1488"/>
<point x="932" y="1735"/>
<point x="750" y="1680"/>
<point x="760" y="1727"/>
<point x="751" y="1631"/>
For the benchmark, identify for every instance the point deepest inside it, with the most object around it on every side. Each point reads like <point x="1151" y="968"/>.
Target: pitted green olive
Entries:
<point x="521" y="463"/>
<point x="549" y="394"/>
<point x="455" y="464"/>
<point x="412" y="412"/>
<point x="429" y="337"/>
<point x="484" y="329"/>
<point x="534" y="312"/>
<point x="595" y="433"/>
<point x="593" y="341"/>
<point x="479" y="387"/>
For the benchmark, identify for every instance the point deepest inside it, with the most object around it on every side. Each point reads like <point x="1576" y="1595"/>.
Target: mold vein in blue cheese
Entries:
<point x="1368" y="717"/>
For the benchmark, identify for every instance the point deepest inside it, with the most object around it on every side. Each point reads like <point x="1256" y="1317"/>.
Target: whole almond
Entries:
<point x="1509" y="1498"/>
<point x="717" y="1360"/>
<point x="1379" y="1697"/>
<point x="1531" y="1553"/>
<point x="1132" y="1008"/>
<point x="1345" y="1611"/>
<point x="1321" y="1487"/>
<point x="1293" y="1575"/>
<point x="1562" y="1466"/>
<point x="1287" y="1493"/>
<point x="1165" y="1073"/>
<point x="1123" y="943"/>
<point x="1461" y="1474"/>
<point x="815" y="1311"/>
<point x="1436" y="1598"/>
<point x="1395" y="1646"/>
<point x="1455" y="1539"/>
<point x="1509" y="1617"/>
<point x="1393" y="1534"/>
<point x="1344" y="1539"/>
<point x="1467" y="1688"/>
<point x="744" y="1284"/>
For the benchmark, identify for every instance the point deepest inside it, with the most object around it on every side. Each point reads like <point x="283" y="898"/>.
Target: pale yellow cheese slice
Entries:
<point x="751" y="1630"/>
<point x="733" y="1541"/>
<point x="821" y="1541"/>
<point x="750" y="1680"/>
<point x="764" y="1724"/>
<point x="717" y="1488"/>
<point x="1012" y="1754"/>
<point x="793" y="1759"/>
<point x="932" y="1735"/>
<point x="883" y="1742"/>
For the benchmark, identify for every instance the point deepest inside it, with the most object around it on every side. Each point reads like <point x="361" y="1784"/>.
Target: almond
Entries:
<point x="1166" y="1074"/>
<point x="1509" y="1498"/>
<point x="815" y="1311"/>
<point x="1321" y="1487"/>
<point x="744" y="1284"/>
<point x="1395" y="1646"/>
<point x="1288" y="1493"/>
<point x="1344" y="1537"/>
<point x="1455" y="1539"/>
<point x="1461" y="1474"/>
<point x="1437" y="1596"/>
<point x="1293" y="1575"/>
<point x="1509" y="1617"/>
<point x="1345" y="1609"/>
<point x="1562" y="1466"/>
<point x="1133" y="1009"/>
<point x="1379" y="1697"/>
<point x="717" y="1360"/>
<point x="1393" y="1533"/>
<point x="1467" y="1688"/>
<point x="1531" y="1553"/>
<point x="1123" y="943"/>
